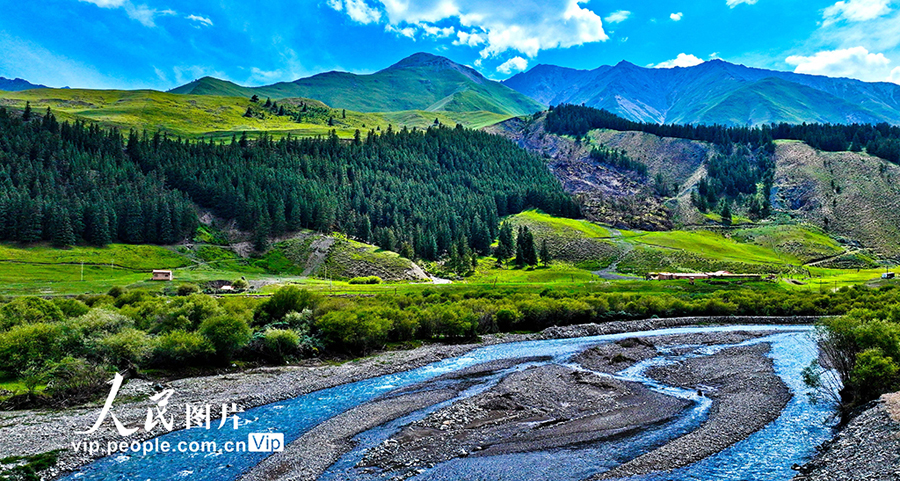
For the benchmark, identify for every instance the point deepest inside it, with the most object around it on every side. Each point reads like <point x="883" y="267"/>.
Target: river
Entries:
<point x="767" y="454"/>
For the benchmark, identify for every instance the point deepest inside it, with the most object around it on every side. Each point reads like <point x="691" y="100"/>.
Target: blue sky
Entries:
<point x="161" y="44"/>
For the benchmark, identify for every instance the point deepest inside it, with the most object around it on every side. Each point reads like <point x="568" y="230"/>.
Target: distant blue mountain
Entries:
<point x="714" y="92"/>
<point x="18" y="84"/>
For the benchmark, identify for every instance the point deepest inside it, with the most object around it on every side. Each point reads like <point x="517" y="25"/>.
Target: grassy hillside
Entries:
<point x="419" y="82"/>
<point x="847" y="194"/>
<point x="577" y="241"/>
<point x="219" y="116"/>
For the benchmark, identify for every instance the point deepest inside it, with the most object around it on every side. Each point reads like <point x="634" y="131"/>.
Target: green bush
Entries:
<point x="240" y="284"/>
<point x="354" y="331"/>
<point x="366" y="280"/>
<point x="874" y="373"/>
<point x="127" y="347"/>
<point x="227" y="334"/>
<point x="180" y="348"/>
<point x="116" y="291"/>
<point x="188" y="289"/>
<point x="100" y="322"/>
<point x="29" y="344"/>
<point x="75" y="380"/>
<point x="186" y="313"/>
<point x="27" y="310"/>
<point x="71" y="307"/>
<point x="299" y="321"/>
<point x="285" y="300"/>
<point x="280" y="345"/>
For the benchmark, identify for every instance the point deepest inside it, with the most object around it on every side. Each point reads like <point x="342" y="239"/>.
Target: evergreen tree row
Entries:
<point x="881" y="140"/>
<point x="414" y="192"/>
<point x="74" y="183"/>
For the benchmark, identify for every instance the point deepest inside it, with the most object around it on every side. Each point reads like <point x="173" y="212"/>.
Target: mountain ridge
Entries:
<point x="18" y="84"/>
<point x="680" y="94"/>
<point x="421" y="81"/>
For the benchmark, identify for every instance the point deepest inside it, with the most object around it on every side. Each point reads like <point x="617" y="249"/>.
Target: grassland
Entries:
<point x="220" y="117"/>
<point x="580" y="247"/>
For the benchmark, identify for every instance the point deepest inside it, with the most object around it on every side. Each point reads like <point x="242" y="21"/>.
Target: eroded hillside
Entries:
<point x="616" y="196"/>
<point x="852" y="196"/>
<point x="848" y="194"/>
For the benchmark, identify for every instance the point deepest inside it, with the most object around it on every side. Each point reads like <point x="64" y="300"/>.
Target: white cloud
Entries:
<point x="201" y="20"/>
<point x="617" y="16"/>
<point x="470" y="39"/>
<point x="515" y="64"/>
<point x="142" y="13"/>
<point x="856" y="62"/>
<point x="357" y="10"/>
<point x="409" y="32"/>
<point x="526" y="27"/>
<point x="734" y="3"/>
<point x="105" y="3"/>
<point x="682" y="60"/>
<point x="895" y="75"/>
<point x="265" y="76"/>
<point x="856" y="10"/>
<point x="676" y="16"/>
<point x="436" y="31"/>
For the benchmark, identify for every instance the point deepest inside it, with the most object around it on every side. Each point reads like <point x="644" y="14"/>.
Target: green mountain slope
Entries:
<point x="713" y="92"/>
<point x="419" y="82"/>
<point x="222" y="116"/>
<point x="773" y="100"/>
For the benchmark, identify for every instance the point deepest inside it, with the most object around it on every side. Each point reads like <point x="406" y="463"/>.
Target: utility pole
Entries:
<point x="82" y="270"/>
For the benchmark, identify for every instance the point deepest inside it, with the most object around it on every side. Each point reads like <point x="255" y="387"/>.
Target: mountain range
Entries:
<point x="17" y="84"/>
<point x="419" y="82"/>
<point x="714" y="92"/>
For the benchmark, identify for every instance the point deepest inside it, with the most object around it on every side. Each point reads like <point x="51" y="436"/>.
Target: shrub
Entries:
<point x="75" y="380"/>
<point x="186" y="313"/>
<point x="280" y="344"/>
<point x="29" y="344"/>
<point x="100" y="322"/>
<point x="874" y="373"/>
<point x="507" y="319"/>
<point x="96" y="300"/>
<point x="240" y="284"/>
<point x="27" y="310"/>
<point x="127" y="347"/>
<point x="227" y="334"/>
<point x="188" y="289"/>
<point x="354" y="331"/>
<point x="116" y="291"/>
<point x="299" y="321"/>
<point x="180" y="348"/>
<point x="71" y="307"/>
<point x="285" y="300"/>
<point x="366" y="280"/>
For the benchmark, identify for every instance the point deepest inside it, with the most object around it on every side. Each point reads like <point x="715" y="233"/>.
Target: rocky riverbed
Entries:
<point x="867" y="448"/>
<point x="553" y="406"/>
<point x="34" y="431"/>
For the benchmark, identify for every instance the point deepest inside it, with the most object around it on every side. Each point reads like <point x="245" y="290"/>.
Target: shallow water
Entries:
<point x="771" y="451"/>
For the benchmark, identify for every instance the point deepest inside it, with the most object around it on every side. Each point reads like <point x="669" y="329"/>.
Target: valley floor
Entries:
<point x="32" y="432"/>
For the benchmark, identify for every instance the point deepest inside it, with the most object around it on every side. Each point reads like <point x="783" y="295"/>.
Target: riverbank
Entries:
<point x="867" y="448"/>
<point x="556" y="406"/>
<point x="35" y="431"/>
